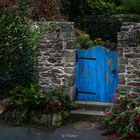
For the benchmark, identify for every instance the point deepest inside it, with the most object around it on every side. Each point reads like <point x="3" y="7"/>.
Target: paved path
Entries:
<point x="62" y="133"/>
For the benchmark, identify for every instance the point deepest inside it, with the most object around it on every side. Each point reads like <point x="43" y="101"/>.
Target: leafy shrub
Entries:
<point x="83" y="41"/>
<point x="123" y="117"/>
<point x="27" y="101"/>
<point x="131" y="6"/>
<point x="104" y="27"/>
<point x="102" y="7"/>
<point x="80" y="8"/>
<point x="99" y="41"/>
<point x="18" y="50"/>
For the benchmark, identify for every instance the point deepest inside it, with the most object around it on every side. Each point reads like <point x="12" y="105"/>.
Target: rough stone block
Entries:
<point x="58" y="46"/>
<point x="121" y="79"/>
<point x="69" y="70"/>
<point x="136" y="62"/>
<point x="69" y="56"/>
<point x="70" y="45"/>
<point x="52" y="59"/>
<point x="121" y="68"/>
<point x="120" y="52"/>
<point x="122" y="60"/>
<point x="136" y="89"/>
<point x="134" y="84"/>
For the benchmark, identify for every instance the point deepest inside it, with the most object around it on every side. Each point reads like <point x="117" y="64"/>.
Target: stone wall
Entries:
<point x="57" y="58"/>
<point x="129" y="56"/>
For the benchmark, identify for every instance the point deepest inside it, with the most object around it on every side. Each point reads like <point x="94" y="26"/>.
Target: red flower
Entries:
<point x="116" y="90"/>
<point x="137" y="118"/>
<point x="124" y="118"/>
<point x="110" y="126"/>
<point x="52" y="105"/>
<point x="128" y="108"/>
<point x="139" y="124"/>
<point x="117" y="134"/>
<point x="132" y="133"/>
<point x="115" y="99"/>
<point x="117" y="108"/>
<point x="108" y="114"/>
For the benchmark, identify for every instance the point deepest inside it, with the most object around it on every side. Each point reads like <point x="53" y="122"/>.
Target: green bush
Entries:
<point x="131" y="6"/>
<point x="96" y="26"/>
<point x="18" y="50"/>
<point x="83" y="41"/>
<point x="30" y="106"/>
<point x="101" y="7"/>
<point x="102" y="26"/>
<point x="80" y="8"/>
<point x="27" y="102"/>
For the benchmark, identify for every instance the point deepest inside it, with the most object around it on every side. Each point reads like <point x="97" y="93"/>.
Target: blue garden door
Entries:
<point x="96" y="74"/>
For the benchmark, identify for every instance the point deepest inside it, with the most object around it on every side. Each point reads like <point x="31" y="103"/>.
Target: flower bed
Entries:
<point x="123" y="118"/>
<point x="29" y="106"/>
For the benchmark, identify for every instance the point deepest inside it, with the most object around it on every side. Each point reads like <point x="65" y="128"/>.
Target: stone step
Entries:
<point x="86" y="115"/>
<point x="88" y="112"/>
<point x="93" y="106"/>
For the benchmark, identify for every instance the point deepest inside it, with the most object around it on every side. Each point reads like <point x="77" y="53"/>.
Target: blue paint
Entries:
<point x="96" y="74"/>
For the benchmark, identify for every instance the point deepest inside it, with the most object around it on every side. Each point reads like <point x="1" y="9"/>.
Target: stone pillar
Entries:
<point x="57" y="58"/>
<point x="129" y="56"/>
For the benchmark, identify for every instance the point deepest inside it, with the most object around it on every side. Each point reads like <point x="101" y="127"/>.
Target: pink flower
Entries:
<point x="137" y="118"/>
<point x="114" y="98"/>
<point x="116" y="90"/>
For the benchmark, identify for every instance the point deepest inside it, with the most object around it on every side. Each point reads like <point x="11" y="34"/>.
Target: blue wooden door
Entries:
<point x="96" y="74"/>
